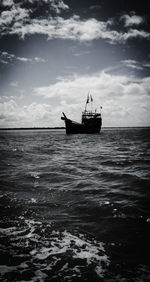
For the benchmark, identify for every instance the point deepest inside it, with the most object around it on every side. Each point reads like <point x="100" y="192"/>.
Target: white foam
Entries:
<point x="7" y="230"/>
<point x="71" y="254"/>
<point x="23" y="265"/>
<point x="90" y="252"/>
<point x="43" y="254"/>
<point x="35" y="175"/>
<point x="33" y="200"/>
<point x="39" y="276"/>
<point x="31" y="224"/>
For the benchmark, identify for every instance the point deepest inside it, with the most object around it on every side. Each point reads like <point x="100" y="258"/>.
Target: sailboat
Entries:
<point x="91" y="121"/>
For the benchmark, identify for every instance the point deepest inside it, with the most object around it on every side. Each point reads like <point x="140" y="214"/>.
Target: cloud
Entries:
<point x="23" y="59"/>
<point x="15" y="115"/>
<point x="58" y="5"/>
<point x="7" y="2"/>
<point x="135" y="64"/>
<point x="122" y="97"/>
<point x="39" y="60"/>
<point x="81" y="53"/>
<point x="125" y="101"/>
<point x="14" y="84"/>
<point x="20" y="21"/>
<point x="6" y="58"/>
<point x="14" y="15"/>
<point x="132" y="64"/>
<point x="104" y="83"/>
<point x="75" y="29"/>
<point x="131" y="20"/>
<point x="147" y="65"/>
<point x="134" y="33"/>
<point x="95" y="7"/>
<point x="7" y="109"/>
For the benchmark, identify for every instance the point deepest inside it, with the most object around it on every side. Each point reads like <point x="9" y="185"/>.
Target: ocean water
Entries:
<point x="75" y="207"/>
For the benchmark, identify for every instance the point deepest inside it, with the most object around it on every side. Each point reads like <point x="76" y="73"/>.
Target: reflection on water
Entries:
<point x="76" y="207"/>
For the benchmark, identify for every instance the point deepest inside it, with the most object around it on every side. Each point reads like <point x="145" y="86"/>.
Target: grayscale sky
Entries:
<point x="53" y="52"/>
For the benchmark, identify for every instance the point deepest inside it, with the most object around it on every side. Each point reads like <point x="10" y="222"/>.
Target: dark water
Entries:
<point x="75" y="208"/>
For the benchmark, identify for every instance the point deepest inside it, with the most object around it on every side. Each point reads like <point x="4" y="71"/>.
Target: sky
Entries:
<point x="54" y="52"/>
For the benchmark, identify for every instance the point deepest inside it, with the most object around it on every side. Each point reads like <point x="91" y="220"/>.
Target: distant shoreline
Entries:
<point x="31" y="128"/>
<point x="56" y="128"/>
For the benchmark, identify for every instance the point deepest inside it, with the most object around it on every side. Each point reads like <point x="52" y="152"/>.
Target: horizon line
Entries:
<point x="57" y="127"/>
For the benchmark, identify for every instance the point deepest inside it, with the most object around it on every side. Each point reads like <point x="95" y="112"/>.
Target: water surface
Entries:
<point x="75" y="207"/>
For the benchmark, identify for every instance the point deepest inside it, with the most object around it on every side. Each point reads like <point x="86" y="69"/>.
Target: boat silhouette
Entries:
<point x="91" y="121"/>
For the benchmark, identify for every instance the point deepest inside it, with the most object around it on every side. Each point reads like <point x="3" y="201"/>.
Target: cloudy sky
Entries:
<point x="53" y="52"/>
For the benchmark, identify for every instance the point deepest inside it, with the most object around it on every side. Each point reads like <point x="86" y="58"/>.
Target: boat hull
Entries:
<point x="74" y="128"/>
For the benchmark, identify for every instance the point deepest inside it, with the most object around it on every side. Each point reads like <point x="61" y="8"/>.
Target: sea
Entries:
<point x="75" y="208"/>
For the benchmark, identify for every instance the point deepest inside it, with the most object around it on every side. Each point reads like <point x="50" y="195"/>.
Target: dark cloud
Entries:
<point x="19" y="20"/>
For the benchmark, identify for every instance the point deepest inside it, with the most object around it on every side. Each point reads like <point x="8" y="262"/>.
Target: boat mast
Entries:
<point x="89" y="100"/>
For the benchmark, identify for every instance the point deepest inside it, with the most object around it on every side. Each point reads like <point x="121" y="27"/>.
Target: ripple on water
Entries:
<point x="73" y="186"/>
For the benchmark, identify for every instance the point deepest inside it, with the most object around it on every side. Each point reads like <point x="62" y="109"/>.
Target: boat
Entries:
<point x="91" y="121"/>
